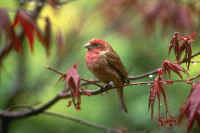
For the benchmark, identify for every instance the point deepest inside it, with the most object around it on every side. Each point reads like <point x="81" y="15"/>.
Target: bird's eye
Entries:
<point x="95" y="45"/>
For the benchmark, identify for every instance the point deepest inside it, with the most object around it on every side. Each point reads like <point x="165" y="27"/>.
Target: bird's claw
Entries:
<point x="106" y="86"/>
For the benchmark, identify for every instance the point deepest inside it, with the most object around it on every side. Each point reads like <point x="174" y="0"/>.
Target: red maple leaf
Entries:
<point x="182" y="44"/>
<point x="72" y="79"/>
<point x="191" y="107"/>
<point x="186" y="46"/>
<point x="155" y="91"/>
<point x="174" y="44"/>
<point x="175" y="67"/>
<point x="28" y="25"/>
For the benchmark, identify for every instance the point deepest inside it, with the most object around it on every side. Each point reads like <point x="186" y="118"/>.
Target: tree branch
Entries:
<point x="60" y="96"/>
<point x="22" y="114"/>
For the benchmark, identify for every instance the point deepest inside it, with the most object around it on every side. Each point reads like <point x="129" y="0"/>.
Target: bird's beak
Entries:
<point x="87" y="45"/>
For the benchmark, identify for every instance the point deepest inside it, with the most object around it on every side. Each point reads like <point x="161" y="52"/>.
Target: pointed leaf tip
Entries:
<point x="72" y="79"/>
<point x="175" y="67"/>
<point x="28" y="24"/>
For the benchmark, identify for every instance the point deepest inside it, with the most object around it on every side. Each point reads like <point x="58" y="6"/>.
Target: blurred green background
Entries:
<point x="142" y="48"/>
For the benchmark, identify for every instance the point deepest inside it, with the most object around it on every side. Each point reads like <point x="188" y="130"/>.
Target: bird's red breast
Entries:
<point x="92" y="56"/>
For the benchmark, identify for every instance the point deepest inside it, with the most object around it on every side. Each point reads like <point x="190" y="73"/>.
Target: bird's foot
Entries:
<point x="106" y="86"/>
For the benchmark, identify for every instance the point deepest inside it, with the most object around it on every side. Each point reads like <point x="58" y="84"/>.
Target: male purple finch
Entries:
<point x="106" y="65"/>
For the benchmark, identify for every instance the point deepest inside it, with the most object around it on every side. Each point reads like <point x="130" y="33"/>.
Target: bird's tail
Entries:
<point x="121" y="99"/>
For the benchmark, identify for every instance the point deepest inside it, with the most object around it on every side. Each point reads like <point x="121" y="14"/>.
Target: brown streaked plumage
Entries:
<point x="106" y="65"/>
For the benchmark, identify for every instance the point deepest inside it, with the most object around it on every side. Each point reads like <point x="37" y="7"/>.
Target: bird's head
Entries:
<point x="97" y="44"/>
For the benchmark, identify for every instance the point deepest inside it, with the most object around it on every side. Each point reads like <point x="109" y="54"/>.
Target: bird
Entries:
<point x="105" y="64"/>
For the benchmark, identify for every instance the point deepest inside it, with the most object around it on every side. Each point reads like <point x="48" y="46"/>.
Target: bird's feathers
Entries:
<point x="106" y="65"/>
<point x="115" y="63"/>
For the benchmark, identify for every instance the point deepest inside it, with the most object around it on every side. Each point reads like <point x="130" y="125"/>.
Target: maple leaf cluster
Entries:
<point x="31" y="29"/>
<point x="72" y="82"/>
<point x="182" y="44"/>
<point x="72" y="86"/>
<point x="24" y="21"/>
<point x="179" y="44"/>
<point x="156" y="91"/>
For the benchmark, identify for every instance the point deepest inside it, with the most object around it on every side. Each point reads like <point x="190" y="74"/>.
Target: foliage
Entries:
<point x="114" y="19"/>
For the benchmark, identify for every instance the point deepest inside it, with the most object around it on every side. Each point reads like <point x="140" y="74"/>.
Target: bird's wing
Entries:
<point x="115" y="63"/>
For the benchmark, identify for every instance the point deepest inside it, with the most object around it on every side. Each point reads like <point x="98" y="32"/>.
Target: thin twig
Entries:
<point x="83" y="122"/>
<point x="54" y="70"/>
<point x="156" y="70"/>
<point x="94" y="82"/>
